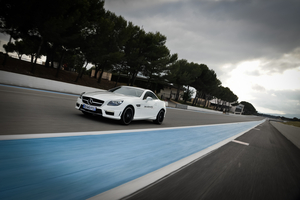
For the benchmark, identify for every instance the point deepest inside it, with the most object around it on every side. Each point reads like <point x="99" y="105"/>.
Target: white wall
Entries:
<point x="10" y="78"/>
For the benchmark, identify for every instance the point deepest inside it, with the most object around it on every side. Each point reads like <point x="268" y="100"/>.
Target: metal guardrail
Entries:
<point x="182" y="106"/>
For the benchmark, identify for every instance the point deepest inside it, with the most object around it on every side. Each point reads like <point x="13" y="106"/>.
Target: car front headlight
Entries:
<point x="80" y="97"/>
<point x="115" y="103"/>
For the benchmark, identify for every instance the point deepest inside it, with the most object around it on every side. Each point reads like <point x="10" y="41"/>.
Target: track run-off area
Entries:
<point x="50" y="150"/>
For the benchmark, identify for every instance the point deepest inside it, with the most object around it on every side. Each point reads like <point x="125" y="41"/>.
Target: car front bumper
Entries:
<point x="113" y="112"/>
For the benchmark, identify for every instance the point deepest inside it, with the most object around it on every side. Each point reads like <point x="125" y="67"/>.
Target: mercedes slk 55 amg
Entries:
<point x="123" y="103"/>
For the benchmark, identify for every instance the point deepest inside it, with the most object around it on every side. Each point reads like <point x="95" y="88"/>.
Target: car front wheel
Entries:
<point x="127" y="116"/>
<point x="160" y="117"/>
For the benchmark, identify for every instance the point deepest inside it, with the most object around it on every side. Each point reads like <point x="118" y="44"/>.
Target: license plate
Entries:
<point x="88" y="107"/>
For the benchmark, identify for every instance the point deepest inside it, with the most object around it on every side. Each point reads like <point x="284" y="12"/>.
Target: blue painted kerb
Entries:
<point x="80" y="167"/>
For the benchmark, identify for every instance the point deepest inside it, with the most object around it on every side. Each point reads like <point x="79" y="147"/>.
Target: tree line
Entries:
<point x="82" y="31"/>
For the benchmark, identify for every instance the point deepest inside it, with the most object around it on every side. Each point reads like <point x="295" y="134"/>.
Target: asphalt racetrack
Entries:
<point x="68" y="155"/>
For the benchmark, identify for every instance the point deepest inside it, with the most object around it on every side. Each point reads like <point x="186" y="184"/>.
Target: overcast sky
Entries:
<point x="253" y="45"/>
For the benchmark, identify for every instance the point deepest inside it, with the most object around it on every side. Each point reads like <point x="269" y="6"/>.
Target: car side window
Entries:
<point x="153" y="95"/>
<point x="149" y="94"/>
<point x="145" y="96"/>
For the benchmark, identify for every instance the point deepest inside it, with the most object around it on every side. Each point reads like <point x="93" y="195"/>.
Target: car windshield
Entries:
<point x="128" y="91"/>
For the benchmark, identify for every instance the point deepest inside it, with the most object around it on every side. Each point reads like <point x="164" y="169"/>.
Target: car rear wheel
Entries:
<point x="160" y="117"/>
<point x="127" y="116"/>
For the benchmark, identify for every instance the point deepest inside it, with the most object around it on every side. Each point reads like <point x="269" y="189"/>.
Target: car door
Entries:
<point x="150" y="104"/>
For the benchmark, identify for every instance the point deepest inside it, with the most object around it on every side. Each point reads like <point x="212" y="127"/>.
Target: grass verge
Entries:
<point x="297" y="124"/>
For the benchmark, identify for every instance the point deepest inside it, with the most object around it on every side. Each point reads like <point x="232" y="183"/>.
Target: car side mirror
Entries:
<point x="149" y="99"/>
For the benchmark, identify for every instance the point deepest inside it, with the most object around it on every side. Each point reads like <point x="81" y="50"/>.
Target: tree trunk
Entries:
<point x="31" y="58"/>
<point x="52" y="55"/>
<point x="204" y="101"/>
<point x="128" y="81"/>
<point x="223" y="106"/>
<point x="60" y="62"/>
<point x="149" y="81"/>
<point x="81" y="71"/>
<point x="47" y="62"/>
<point x="133" y="78"/>
<point x="207" y="97"/>
<point x="155" y="89"/>
<point x="194" y="100"/>
<point x="37" y="55"/>
<point x="48" y="57"/>
<point x="100" y="77"/>
<point x="117" y="79"/>
<point x="177" y="93"/>
<point x="188" y="90"/>
<point x="96" y="71"/>
<point x="200" y="97"/>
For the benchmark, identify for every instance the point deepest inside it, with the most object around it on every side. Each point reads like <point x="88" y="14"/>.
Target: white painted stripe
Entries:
<point x="69" y="134"/>
<point x="142" y="182"/>
<point x="257" y="129"/>
<point x="239" y="142"/>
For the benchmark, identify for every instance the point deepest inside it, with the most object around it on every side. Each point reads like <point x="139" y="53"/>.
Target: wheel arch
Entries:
<point x="159" y="119"/>
<point x="126" y="118"/>
<point x="131" y="107"/>
<point x="164" y="109"/>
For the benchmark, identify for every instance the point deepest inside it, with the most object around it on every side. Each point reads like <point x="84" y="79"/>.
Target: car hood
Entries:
<point x="106" y="96"/>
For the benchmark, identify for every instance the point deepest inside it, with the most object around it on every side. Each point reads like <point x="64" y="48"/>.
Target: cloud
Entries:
<point x="218" y="32"/>
<point x="277" y="93"/>
<point x="278" y="102"/>
<point x="290" y="60"/>
<point x="259" y="88"/>
<point x="253" y="73"/>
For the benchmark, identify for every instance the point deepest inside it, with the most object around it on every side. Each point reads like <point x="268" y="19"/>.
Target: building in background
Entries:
<point x="237" y="109"/>
<point x="105" y="75"/>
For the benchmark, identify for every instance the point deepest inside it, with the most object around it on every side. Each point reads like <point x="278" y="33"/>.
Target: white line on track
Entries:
<point x="69" y="134"/>
<point x="239" y="142"/>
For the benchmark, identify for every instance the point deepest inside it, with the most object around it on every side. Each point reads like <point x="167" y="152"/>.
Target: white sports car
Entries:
<point x="123" y="103"/>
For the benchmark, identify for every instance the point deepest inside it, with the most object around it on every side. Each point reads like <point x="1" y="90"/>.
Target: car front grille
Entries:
<point x="92" y="101"/>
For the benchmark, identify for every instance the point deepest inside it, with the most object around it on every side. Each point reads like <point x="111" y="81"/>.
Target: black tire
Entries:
<point x="160" y="117"/>
<point x="127" y="116"/>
